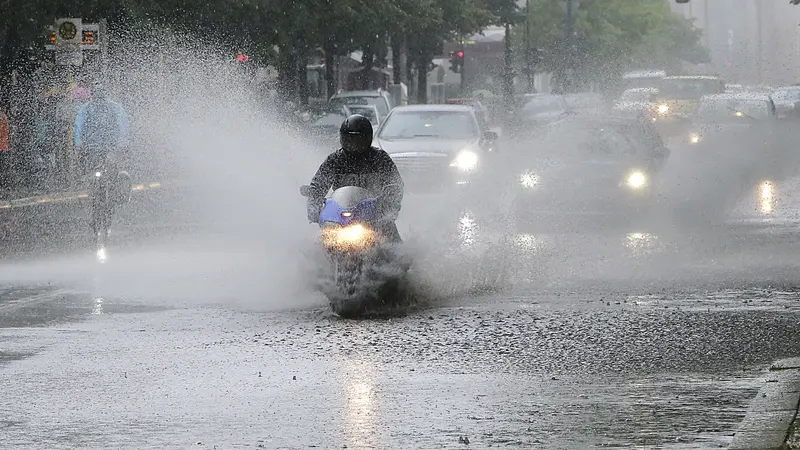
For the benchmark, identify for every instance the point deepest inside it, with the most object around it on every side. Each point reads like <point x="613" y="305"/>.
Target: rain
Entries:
<point x="597" y="203"/>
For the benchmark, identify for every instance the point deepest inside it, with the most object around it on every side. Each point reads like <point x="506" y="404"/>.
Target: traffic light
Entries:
<point x="88" y="37"/>
<point x="457" y="61"/>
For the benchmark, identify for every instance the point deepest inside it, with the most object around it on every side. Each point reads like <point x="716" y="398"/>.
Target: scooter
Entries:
<point x="364" y="269"/>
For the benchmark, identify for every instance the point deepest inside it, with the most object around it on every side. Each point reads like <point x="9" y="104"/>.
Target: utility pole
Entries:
<point x="463" y="68"/>
<point x="508" y="70"/>
<point x="569" y="9"/>
<point x="760" y="49"/>
<point x="570" y="59"/>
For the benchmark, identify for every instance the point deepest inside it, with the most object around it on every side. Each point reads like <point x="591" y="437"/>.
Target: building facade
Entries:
<point x="751" y="41"/>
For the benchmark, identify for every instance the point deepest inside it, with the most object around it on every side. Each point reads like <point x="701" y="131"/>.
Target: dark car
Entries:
<point x="742" y="117"/>
<point x="586" y="101"/>
<point x="436" y="146"/>
<point x="324" y="130"/>
<point x="589" y="164"/>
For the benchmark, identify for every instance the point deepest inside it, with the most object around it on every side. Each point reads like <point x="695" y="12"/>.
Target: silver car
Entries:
<point x="436" y="146"/>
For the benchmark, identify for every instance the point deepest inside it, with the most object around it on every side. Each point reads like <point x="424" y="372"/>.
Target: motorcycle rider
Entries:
<point x="101" y="137"/>
<point x="358" y="163"/>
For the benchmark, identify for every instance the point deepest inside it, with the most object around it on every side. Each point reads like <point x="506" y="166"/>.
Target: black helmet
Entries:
<point x="355" y="134"/>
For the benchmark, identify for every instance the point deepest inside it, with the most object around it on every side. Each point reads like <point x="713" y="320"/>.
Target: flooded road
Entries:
<point x="521" y="339"/>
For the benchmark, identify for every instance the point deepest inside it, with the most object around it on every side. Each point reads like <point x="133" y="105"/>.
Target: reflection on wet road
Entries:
<point x="636" y="336"/>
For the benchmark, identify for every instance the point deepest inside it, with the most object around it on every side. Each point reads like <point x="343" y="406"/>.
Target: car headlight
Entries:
<point x="465" y="161"/>
<point x="529" y="180"/>
<point x="663" y="109"/>
<point x="694" y="138"/>
<point x="637" y="180"/>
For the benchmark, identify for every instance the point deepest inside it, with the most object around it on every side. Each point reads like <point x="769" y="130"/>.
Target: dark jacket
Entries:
<point x="374" y="171"/>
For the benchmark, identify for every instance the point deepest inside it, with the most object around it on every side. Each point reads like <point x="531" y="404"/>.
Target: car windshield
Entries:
<point x="435" y="124"/>
<point x="378" y="101"/>
<point x="638" y="95"/>
<point x="330" y="119"/>
<point x="733" y="109"/>
<point x="787" y="95"/>
<point x="645" y="82"/>
<point x="578" y="139"/>
<point x="688" y="88"/>
<point x="578" y="101"/>
<point x="537" y="105"/>
<point x="365" y="111"/>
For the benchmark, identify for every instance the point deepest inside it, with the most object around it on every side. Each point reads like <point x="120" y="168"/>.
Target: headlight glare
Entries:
<point x="637" y="180"/>
<point x="350" y="236"/>
<point x="465" y="161"/>
<point x="528" y="180"/>
<point x="663" y="109"/>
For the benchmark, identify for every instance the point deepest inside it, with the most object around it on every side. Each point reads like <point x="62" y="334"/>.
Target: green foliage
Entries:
<point x="613" y="35"/>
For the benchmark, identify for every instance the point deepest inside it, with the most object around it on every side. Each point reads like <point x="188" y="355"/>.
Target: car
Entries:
<point x="642" y="79"/>
<point x="533" y="111"/>
<point x="638" y="101"/>
<point x="437" y="147"/>
<point x="589" y="164"/>
<point x="678" y="97"/>
<point x="380" y="98"/>
<point x="324" y="129"/>
<point x="785" y="98"/>
<point x="480" y="109"/>
<point x="742" y="116"/>
<point x="371" y="112"/>
<point x="585" y="101"/>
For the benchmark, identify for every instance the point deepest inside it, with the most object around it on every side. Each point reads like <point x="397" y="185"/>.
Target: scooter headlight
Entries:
<point x="694" y="138"/>
<point x="663" y="109"/>
<point x="350" y="236"/>
<point x="465" y="161"/>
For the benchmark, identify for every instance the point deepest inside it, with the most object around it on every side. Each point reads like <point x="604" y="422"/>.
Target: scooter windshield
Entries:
<point x="348" y="197"/>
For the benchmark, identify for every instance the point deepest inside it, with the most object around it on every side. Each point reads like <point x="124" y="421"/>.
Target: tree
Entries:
<point x="297" y="27"/>
<point x="614" y="35"/>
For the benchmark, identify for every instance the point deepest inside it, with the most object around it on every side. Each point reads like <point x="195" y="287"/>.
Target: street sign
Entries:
<point x="90" y="37"/>
<point x="68" y="31"/>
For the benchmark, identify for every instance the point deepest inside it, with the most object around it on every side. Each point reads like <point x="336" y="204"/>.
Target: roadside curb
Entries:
<point x="63" y="197"/>
<point x="772" y="412"/>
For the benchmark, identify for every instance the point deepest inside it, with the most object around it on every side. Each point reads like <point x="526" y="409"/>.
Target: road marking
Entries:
<point x="33" y="300"/>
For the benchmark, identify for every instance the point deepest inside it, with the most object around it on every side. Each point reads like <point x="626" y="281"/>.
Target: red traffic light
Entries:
<point x="242" y="58"/>
<point x="460" y="54"/>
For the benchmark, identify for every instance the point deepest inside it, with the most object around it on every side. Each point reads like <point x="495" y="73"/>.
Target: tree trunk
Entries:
<point x="330" y="82"/>
<point x="422" y="78"/>
<point x="397" y="71"/>
<point x="302" y="72"/>
<point x="287" y="73"/>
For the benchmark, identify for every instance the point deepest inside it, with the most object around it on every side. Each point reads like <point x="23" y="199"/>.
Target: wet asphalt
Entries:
<point x="520" y="337"/>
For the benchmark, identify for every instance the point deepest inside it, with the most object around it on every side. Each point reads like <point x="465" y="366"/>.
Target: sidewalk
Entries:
<point x="22" y="198"/>
<point x="771" y="420"/>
